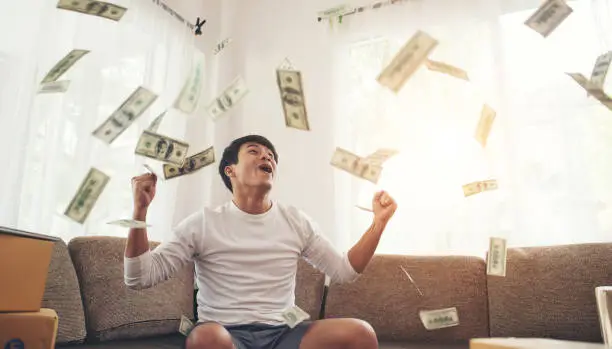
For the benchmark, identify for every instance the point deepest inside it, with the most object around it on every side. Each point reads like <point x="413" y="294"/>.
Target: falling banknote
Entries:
<point x="187" y="101"/>
<point x="130" y="223"/>
<point x="292" y="96"/>
<point x="407" y="61"/>
<point x="221" y="46"/>
<point x="63" y="65"/>
<point x="592" y="89"/>
<point x="87" y="195"/>
<point x="162" y="148"/>
<point x="548" y="17"/>
<point x="229" y="98"/>
<point x="446" y="69"/>
<point x="478" y="187"/>
<point x="154" y="126"/>
<point x="487" y="116"/>
<point x="185" y="326"/>
<point x="441" y="318"/>
<point x="496" y="261"/>
<point x="125" y="115"/>
<point x="353" y="164"/>
<point x="54" y="86"/>
<point x="379" y="157"/>
<point x="95" y="8"/>
<point x="600" y="70"/>
<point x="191" y="165"/>
<point x="293" y="316"/>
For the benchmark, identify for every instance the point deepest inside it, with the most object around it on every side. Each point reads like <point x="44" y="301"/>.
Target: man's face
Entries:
<point x="256" y="167"/>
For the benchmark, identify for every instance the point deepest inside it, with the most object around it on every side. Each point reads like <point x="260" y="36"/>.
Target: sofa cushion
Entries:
<point x="63" y="295"/>
<point x="550" y="292"/>
<point x="112" y="310"/>
<point x="309" y="288"/>
<point x="384" y="297"/>
<point x="175" y="341"/>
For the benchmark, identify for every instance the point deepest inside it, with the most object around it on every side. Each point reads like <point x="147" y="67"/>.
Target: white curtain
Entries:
<point x="549" y="147"/>
<point x="48" y="142"/>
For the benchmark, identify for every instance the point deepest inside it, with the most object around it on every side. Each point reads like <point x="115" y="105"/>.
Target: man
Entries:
<point x="246" y="254"/>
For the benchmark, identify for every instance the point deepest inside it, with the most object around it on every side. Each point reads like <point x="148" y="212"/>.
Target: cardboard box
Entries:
<point x="530" y="343"/>
<point x="32" y="330"/>
<point x="24" y="263"/>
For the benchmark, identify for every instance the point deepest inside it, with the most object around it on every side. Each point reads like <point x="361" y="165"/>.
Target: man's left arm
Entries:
<point x="345" y="268"/>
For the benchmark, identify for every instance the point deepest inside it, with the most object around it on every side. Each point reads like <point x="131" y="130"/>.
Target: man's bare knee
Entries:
<point x="209" y="336"/>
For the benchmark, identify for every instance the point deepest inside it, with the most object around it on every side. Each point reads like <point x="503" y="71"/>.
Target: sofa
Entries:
<point x="547" y="292"/>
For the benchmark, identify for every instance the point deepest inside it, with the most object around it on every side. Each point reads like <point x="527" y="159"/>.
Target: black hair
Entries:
<point x="230" y="154"/>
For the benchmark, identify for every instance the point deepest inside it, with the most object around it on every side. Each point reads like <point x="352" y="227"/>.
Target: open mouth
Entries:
<point x="266" y="168"/>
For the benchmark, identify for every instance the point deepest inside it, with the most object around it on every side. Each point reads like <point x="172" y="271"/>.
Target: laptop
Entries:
<point x="26" y="234"/>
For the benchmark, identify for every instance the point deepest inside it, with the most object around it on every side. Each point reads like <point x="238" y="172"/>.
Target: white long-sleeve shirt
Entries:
<point x="245" y="264"/>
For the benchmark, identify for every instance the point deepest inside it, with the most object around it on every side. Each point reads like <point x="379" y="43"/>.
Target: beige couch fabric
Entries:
<point x="385" y="298"/>
<point x="550" y="292"/>
<point x="62" y="294"/>
<point x="309" y="288"/>
<point x="114" y="311"/>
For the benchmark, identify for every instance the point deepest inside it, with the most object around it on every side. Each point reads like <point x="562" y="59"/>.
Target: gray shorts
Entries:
<point x="262" y="336"/>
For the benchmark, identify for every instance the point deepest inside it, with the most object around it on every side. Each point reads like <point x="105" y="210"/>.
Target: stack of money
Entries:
<point x="293" y="316"/>
<point x="162" y="148"/>
<point x="125" y="115"/>
<point x="407" y="61"/>
<point x="94" y="8"/>
<point x="192" y="164"/>
<point x="292" y="96"/>
<point x="89" y="191"/>
<point x="548" y="16"/>
<point x="49" y="83"/>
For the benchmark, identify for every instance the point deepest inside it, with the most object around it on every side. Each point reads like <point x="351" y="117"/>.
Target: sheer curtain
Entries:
<point x="548" y="147"/>
<point x="48" y="137"/>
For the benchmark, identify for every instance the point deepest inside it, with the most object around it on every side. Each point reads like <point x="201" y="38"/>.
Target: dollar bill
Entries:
<point x="406" y="61"/>
<point x="353" y="164"/>
<point x="440" y="318"/>
<point x="292" y="96"/>
<point x="336" y="11"/>
<point x="285" y="65"/>
<point x="364" y="208"/>
<point x="187" y="101"/>
<point x="548" y="16"/>
<point x="592" y="90"/>
<point x="185" y="326"/>
<point x="600" y="70"/>
<point x="380" y="156"/>
<point x="411" y="280"/>
<point x="63" y="65"/>
<point x="162" y="148"/>
<point x="54" y="86"/>
<point x="125" y="115"/>
<point x="496" y="261"/>
<point x="446" y="69"/>
<point x="478" y="187"/>
<point x="87" y="195"/>
<point x="222" y="45"/>
<point x="150" y="170"/>
<point x="487" y="116"/>
<point x="603" y="299"/>
<point x="293" y="316"/>
<point x="154" y="126"/>
<point x="130" y="223"/>
<point x="229" y="98"/>
<point x="95" y="8"/>
<point x="192" y="164"/>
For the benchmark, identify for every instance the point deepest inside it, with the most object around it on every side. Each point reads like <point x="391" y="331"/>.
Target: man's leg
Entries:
<point x="331" y="334"/>
<point x="210" y="335"/>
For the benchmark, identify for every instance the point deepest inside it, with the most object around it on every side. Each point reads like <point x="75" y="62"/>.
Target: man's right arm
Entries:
<point x="144" y="268"/>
